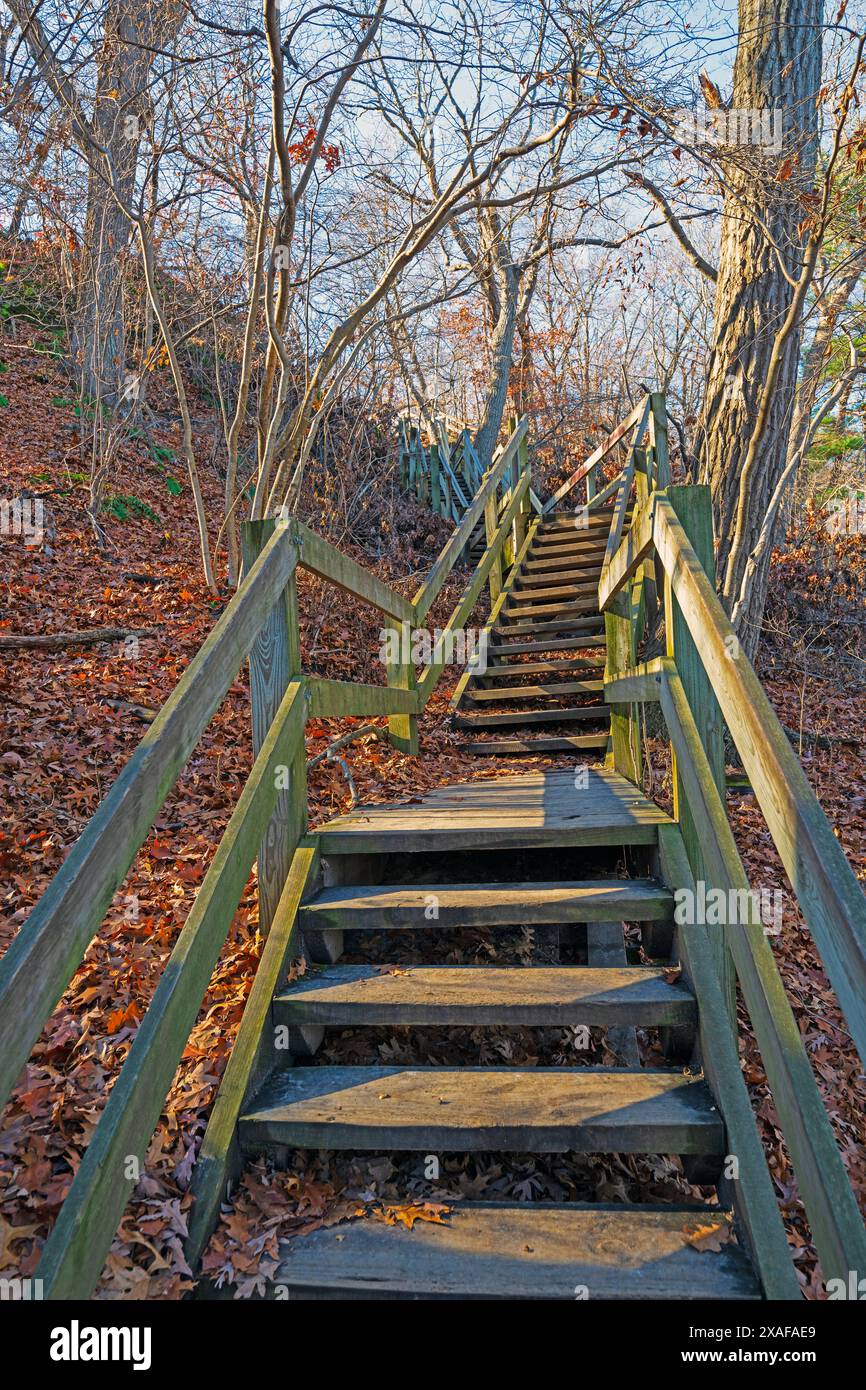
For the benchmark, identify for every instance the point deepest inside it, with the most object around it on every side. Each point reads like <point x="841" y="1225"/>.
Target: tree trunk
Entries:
<point x="778" y="68"/>
<point x="501" y="350"/>
<point x="120" y="116"/>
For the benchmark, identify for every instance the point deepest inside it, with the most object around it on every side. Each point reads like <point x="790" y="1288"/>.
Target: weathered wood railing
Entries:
<point x="706" y="679"/>
<point x="268" y="825"/>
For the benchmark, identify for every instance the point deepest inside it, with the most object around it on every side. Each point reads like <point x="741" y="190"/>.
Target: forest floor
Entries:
<point x="70" y="720"/>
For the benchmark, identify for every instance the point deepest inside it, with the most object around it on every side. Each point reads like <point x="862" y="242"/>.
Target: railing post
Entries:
<point x="693" y="507"/>
<point x="435" y="491"/>
<point x="491" y="523"/>
<point x="659" y="439"/>
<point x="624" y="755"/>
<point x="525" y="505"/>
<point x="402" y="728"/>
<point x="275" y="661"/>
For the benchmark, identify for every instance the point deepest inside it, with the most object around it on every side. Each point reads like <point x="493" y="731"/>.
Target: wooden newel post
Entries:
<point x="275" y="661"/>
<point x="693" y="506"/>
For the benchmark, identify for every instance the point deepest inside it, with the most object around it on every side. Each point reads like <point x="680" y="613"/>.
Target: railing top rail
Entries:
<point x="449" y="556"/>
<point x="641" y="411"/>
<point x="48" y="948"/>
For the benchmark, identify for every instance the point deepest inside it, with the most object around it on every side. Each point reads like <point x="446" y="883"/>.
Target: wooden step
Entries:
<point x="532" y="568"/>
<point x="531" y="716"/>
<point x="515" y="611"/>
<point x="542" y="593"/>
<point x="578" y="520"/>
<point x="556" y="578"/>
<point x="488" y="904"/>
<point x="541" y="627"/>
<point x="478" y="1109"/>
<point x="523" y="1250"/>
<point x="530" y="810"/>
<point x="549" y="644"/>
<point x="346" y="996"/>
<point x="569" y="743"/>
<point x="548" y="548"/>
<point x="534" y="692"/>
<point x="540" y="668"/>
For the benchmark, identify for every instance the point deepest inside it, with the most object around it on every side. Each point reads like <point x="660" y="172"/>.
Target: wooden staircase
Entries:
<point x="499" y="1250"/>
<point x="544" y="651"/>
<point x="579" y="859"/>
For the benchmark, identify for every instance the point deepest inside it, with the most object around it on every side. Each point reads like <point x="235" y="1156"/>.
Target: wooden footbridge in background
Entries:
<point x="574" y="854"/>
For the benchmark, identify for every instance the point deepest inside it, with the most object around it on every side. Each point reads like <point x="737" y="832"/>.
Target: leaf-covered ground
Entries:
<point x="70" y="719"/>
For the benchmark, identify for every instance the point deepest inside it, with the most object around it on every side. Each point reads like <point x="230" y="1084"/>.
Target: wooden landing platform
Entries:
<point x="529" y="810"/>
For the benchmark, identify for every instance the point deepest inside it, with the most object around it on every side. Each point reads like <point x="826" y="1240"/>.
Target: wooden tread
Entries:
<point x="535" y="692"/>
<point x="538" y="566"/>
<point x="568" y="743"/>
<point x="547" y="644"/>
<point x="525" y="1250"/>
<point x="347" y="996"/>
<point x="485" y="1109"/>
<point x="541" y="668"/>
<point x="567" y="715"/>
<point x="488" y="904"/>
<point x="540" y="627"/>
<point x="530" y="810"/>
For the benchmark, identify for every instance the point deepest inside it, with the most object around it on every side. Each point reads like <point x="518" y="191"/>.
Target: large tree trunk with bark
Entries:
<point x="778" y="68"/>
<point x="121" y="115"/>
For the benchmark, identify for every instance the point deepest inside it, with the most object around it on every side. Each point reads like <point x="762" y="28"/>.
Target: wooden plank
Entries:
<point x="489" y="904"/>
<point x="540" y="630"/>
<point x="320" y="557"/>
<point x="511" y="693"/>
<point x="48" y="948"/>
<point x="566" y="744"/>
<point x="834" y="1219"/>
<point x="275" y="661"/>
<point x="341" y="699"/>
<point x="530" y="810"/>
<point x="826" y="888"/>
<point x="641" y="683"/>
<point x="566" y="590"/>
<point x="541" y="1110"/>
<point x="347" y="996"/>
<point x="550" y="644"/>
<point x="527" y="1250"/>
<point x="753" y="1196"/>
<point x="75" y="1251"/>
<point x="694" y="509"/>
<point x="640" y="413"/>
<point x="513" y="612"/>
<point x="218" y="1161"/>
<point x="540" y="668"/>
<point x="426" y="595"/>
<point x="531" y="716"/>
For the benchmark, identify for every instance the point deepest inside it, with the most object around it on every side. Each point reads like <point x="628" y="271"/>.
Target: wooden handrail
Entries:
<point x="639" y="413"/>
<point x="48" y="948"/>
<point x="826" y="888"/>
<point x="75" y="1251"/>
<point x="427" y="594"/>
